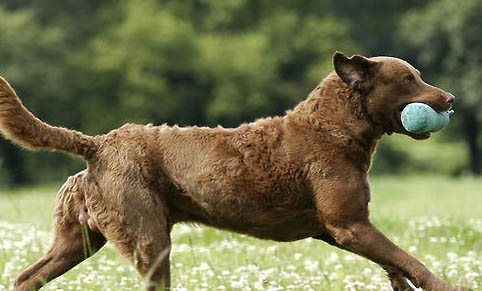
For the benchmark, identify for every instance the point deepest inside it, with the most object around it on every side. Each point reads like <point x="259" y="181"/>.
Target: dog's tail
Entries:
<point x="21" y="126"/>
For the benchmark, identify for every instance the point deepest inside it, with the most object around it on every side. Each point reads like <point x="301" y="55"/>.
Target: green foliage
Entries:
<point x="373" y="24"/>
<point x="447" y="45"/>
<point x="33" y="58"/>
<point x="27" y="50"/>
<point x="95" y="65"/>
<point x="398" y="154"/>
<point x="167" y="63"/>
<point x="453" y="56"/>
<point x="145" y="57"/>
<point x="186" y="62"/>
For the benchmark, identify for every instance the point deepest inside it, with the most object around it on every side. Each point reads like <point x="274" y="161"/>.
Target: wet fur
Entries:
<point x="282" y="178"/>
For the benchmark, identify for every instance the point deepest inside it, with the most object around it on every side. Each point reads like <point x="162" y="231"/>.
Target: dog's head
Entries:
<point x="389" y="84"/>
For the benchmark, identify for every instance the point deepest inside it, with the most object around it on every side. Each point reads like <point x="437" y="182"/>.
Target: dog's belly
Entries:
<point x="249" y="214"/>
<point x="275" y="224"/>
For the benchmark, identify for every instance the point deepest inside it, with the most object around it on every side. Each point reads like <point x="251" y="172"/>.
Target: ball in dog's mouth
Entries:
<point x="417" y="136"/>
<point x="420" y="118"/>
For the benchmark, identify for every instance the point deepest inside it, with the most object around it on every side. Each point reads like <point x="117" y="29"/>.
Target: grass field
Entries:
<point x="438" y="220"/>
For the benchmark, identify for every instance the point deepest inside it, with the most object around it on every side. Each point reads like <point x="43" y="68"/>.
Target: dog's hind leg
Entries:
<point x="152" y="259"/>
<point x="139" y="228"/>
<point x="73" y="243"/>
<point x="151" y="253"/>
<point x="148" y="249"/>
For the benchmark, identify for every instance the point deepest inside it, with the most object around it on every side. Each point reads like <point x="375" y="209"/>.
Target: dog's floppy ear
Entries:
<point x="353" y="71"/>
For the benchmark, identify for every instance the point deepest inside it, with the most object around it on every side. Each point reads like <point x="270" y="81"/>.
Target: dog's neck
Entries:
<point x="339" y="114"/>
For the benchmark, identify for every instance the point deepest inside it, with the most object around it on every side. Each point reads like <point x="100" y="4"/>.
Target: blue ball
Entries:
<point x="420" y="118"/>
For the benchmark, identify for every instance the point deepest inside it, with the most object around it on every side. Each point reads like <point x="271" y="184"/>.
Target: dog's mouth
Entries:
<point x="424" y="135"/>
<point x="418" y="136"/>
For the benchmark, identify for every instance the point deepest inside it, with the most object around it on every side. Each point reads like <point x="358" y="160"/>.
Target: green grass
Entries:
<point x="438" y="220"/>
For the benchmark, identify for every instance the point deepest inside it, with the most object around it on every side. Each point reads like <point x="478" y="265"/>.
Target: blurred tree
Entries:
<point x="75" y="18"/>
<point x="140" y="68"/>
<point x="373" y="24"/>
<point x="33" y="58"/>
<point x="198" y="62"/>
<point x="447" y="44"/>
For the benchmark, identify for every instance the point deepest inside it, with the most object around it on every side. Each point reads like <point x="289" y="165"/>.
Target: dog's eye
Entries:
<point x="409" y="79"/>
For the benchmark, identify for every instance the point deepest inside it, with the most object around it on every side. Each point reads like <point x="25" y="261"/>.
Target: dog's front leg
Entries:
<point x="397" y="280"/>
<point x="342" y="204"/>
<point x="364" y="239"/>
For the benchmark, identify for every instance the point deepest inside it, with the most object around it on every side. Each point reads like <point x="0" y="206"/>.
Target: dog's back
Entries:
<point x="245" y="179"/>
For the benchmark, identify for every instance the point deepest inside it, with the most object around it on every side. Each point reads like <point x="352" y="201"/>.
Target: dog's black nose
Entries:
<point x="450" y="98"/>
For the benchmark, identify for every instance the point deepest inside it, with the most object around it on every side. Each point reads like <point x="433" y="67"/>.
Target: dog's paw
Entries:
<point x="399" y="283"/>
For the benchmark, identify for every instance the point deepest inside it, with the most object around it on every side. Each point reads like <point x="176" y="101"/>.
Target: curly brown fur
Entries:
<point x="282" y="178"/>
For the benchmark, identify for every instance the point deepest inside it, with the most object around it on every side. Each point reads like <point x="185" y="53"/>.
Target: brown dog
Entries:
<point x="283" y="178"/>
